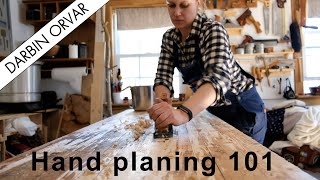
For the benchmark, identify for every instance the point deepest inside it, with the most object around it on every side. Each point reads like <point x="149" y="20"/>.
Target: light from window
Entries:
<point x="137" y="56"/>
<point x="312" y="54"/>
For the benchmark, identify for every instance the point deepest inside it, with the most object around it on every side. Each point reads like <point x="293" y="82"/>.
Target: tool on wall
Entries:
<point x="266" y="42"/>
<point x="266" y="14"/>
<point x="267" y="73"/>
<point x="259" y="77"/>
<point x="280" y="89"/>
<point x="279" y="19"/>
<point x="209" y="4"/>
<point x="215" y="3"/>
<point x="247" y="18"/>
<point x="236" y="4"/>
<point x="226" y="2"/>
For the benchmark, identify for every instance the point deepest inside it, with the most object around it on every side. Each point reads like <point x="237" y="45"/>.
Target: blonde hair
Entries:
<point x="202" y="6"/>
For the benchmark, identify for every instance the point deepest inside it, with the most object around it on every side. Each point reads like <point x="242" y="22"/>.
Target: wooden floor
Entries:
<point x="207" y="138"/>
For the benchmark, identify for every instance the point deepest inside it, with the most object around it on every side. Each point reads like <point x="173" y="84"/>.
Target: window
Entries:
<point x="137" y="54"/>
<point x="312" y="54"/>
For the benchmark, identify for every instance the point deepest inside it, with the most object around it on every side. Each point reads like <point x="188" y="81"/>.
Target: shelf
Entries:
<point x="234" y="31"/>
<point x="285" y="53"/>
<point x="91" y="19"/>
<point x="277" y="72"/>
<point x="49" y="64"/>
<point x="39" y="13"/>
<point x="65" y="62"/>
<point x="308" y="96"/>
<point x="65" y="59"/>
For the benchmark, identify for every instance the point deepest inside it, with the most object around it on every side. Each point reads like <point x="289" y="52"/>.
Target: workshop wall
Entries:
<point x="266" y="91"/>
<point x="20" y="31"/>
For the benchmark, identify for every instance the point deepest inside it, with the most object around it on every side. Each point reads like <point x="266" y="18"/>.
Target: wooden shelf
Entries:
<point x="49" y="64"/>
<point x="46" y="10"/>
<point x="285" y="53"/>
<point x="91" y="19"/>
<point x="65" y="59"/>
<point x="308" y="96"/>
<point x="277" y="72"/>
<point x="234" y="31"/>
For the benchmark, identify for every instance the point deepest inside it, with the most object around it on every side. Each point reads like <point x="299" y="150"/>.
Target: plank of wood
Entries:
<point x="204" y="137"/>
<point x="98" y="83"/>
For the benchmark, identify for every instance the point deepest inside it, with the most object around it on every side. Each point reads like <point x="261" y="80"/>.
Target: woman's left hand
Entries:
<point x="164" y="114"/>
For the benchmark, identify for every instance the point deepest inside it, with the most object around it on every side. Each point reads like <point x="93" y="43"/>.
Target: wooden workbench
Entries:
<point x="204" y="137"/>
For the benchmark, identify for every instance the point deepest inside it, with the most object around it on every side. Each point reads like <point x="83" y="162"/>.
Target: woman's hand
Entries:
<point x="164" y="114"/>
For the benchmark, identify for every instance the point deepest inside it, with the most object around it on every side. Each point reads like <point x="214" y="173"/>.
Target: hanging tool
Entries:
<point x="267" y="73"/>
<point x="215" y="4"/>
<point x="209" y="4"/>
<point x="164" y="132"/>
<point x="236" y="4"/>
<point x="266" y="16"/>
<point x="266" y="42"/>
<point x="280" y="89"/>
<point x="280" y="3"/>
<point x="226" y="2"/>
<point x="259" y="77"/>
<point x="247" y="18"/>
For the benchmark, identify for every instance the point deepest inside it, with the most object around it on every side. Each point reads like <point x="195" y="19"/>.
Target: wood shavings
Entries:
<point x="87" y="172"/>
<point x="114" y="145"/>
<point x="138" y="128"/>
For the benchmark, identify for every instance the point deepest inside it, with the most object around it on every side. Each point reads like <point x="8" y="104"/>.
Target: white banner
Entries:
<point x="42" y="41"/>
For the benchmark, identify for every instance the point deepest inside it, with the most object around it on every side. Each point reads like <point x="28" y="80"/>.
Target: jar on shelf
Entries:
<point x="83" y="50"/>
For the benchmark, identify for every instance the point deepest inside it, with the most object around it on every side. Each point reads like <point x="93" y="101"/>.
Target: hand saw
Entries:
<point x="266" y="15"/>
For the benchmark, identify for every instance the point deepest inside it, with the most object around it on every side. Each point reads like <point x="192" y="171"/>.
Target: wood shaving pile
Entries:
<point x="138" y="128"/>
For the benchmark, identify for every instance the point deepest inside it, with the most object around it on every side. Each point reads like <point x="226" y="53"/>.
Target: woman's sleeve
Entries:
<point x="218" y="63"/>
<point x="165" y="70"/>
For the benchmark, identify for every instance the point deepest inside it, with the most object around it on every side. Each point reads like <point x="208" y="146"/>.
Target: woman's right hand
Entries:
<point x="164" y="114"/>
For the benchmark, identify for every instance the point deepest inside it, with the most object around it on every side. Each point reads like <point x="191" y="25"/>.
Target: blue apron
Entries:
<point x="246" y="112"/>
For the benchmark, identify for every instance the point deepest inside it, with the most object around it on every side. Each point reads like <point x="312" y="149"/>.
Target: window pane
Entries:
<point x="148" y="66"/>
<point x="310" y="83"/>
<point x="312" y="62"/>
<point x="129" y="67"/>
<point x="176" y="85"/>
<point x="141" y="41"/>
<point x="146" y="81"/>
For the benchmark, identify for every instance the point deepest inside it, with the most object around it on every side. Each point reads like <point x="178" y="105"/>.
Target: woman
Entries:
<point x="200" y="49"/>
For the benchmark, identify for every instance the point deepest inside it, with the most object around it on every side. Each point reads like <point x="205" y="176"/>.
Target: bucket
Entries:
<point x="25" y="87"/>
<point x="142" y="97"/>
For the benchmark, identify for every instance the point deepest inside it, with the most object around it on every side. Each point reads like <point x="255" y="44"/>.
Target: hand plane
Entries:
<point x="164" y="132"/>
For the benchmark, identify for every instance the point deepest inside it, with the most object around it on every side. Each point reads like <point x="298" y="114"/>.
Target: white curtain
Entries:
<point x="142" y="18"/>
<point x="313" y="8"/>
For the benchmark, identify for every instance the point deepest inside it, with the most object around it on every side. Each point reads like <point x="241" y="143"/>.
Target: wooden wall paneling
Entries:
<point x="98" y="83"/>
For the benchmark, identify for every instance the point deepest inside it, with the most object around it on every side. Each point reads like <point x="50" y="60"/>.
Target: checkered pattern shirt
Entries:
<point x="220" y="67"/>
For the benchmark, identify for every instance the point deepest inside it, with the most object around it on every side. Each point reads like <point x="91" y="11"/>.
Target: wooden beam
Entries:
<point x="98" y="83"/>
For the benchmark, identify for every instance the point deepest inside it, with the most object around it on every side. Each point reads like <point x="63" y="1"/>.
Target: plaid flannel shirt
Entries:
<point x="221" y="69"/>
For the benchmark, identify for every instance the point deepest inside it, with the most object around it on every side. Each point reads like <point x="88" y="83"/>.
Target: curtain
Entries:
<point x="313" y="8"/>
<point x="142" y="18"/>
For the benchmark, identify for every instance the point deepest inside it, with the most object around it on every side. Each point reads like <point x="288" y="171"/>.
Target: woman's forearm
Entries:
<point x="201" y="99"/>
<point x="160" y="89"/>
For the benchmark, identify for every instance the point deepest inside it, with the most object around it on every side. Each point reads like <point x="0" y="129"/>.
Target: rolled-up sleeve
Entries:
<point x="217" y="61"/>
<point x="165" y="70"/>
